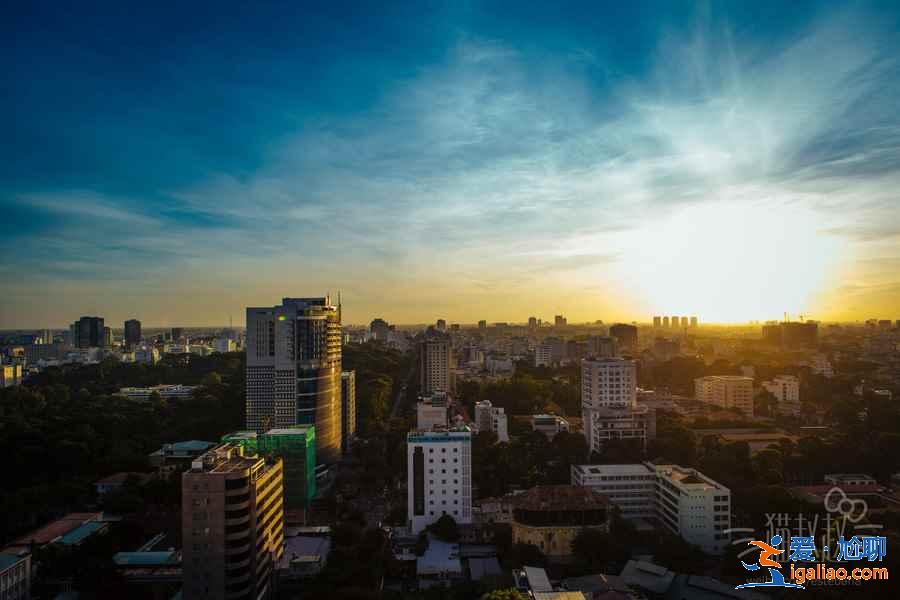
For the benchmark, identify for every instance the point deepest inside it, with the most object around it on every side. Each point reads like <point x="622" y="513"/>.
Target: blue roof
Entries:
<point x="192" y="445"/>
<point x="8" y="560"/>
<point x="144" y="559"/>
<point x="82" y="532"/>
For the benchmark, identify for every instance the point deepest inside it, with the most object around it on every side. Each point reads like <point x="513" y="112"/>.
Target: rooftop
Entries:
<point x="560" y="497"/>
<point x="55" y="529"/>
<point x="145" y="559"/>
<point x="82" y="532"/>
<point x="8" y="560"/>
<point x="632" y="469"/>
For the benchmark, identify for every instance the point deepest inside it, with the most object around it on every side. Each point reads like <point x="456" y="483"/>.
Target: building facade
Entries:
<point x="609" y="403"/>
<point x="431" y="412"/>
<point x="626" y="335"/>
<point x="132" y="332"/>
<point x="434" y="356"/>
<point x="549" y="425"/>
<point x="88" y="332"/>
<point x="726" y="391"/>
<point x="491" y="418"/>
<point x="439" y="476"/>
<point x="348" y="409"/>
<point x="15" y="576"/>
<point x="786" y="389"/>
<point x="551" y="516"/>
<point x="232" y="524"/>
<point x="630" y="488"/>
<point x="294" y="370"/>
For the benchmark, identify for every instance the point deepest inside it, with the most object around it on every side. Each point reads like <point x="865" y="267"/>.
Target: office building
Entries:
<point x="434" y="355"/>
<point x="551" y="516"/>
<point x="625" y="335"/>
<point x="431" y="412"/>
<point x="684" y="501"/>
<point x="726" y="391"/>
<point x="132" y="332"/>
<point x="482" y="324"/>
<point x="549" y="425"/>
<point x="380" y="329"/>
<point x="294" y="370"/>
<point x="560" y="321"/>
<point x="609" y="404"/>
<point x="491" y="418"/>
<point x="786" y="389"/>
<point x="532" y="322"/>
<point x="88" y="332"/>
<point x="15" y="576"/>
<point x="348" y="409"/>
<point x="10" y="375"/>
<point x="439" y="478"/>
<point x="657" y="321"/>
<point x="441" y="325"/>
<point x="232" y="524"/>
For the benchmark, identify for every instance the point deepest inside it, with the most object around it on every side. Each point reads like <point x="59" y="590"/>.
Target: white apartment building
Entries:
<point x="431" y="412"/>
<point x="543" y="355"/>
<point x="684" y="501"/>
<point x="632" y="488"/>
<point x="439" y="476"/>
<point x="491" y="418"/>
<point x="786" y="389"/>
<point x="549" y="425"/>
<point x="609" y="403"/>
<point x="726" y="391"/>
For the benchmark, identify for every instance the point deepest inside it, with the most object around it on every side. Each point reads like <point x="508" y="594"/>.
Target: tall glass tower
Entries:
<point x="294" y="370"/>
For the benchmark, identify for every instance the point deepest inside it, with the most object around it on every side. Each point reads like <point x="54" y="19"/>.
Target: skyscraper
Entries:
<point x="665" y="322"/>
<point x="626" y="335"/>
<point x="439" y="476"/>
<point x="379" y="329"/>
<point x="482" y="324"/>
<point x="434" y="362"/>
<point x="532" y="322"/>
<point x="232" y="524"/>
<point x="559" y="321"/>
<point x="441" y="325"/>
<point x="348" y="408"/>
<point x="684" y="322"/>
<point x="657" y="321"/>
<point x="132" y="331"/>
<point x="177" y="333"/>
<point x="693" y="321"/>
<point x="88" y="332"/>
<point x="294" y="370"/>
<point x="609" y="403"/>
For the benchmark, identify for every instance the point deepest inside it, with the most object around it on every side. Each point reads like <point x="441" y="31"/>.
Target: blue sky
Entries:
<point x="179" y="161"/>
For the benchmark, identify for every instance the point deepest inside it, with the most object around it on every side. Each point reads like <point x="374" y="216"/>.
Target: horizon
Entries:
<point x="734" y="162"/>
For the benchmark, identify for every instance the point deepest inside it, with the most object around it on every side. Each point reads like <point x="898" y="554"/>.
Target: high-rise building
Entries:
<point x="482" y="324"/>
<point x="434" y="362"/>
<point x="294" y="370"/>
<point x="10" y="375"/>
<point x="675" y="321"/>
<point x="726" y="391"/>
<point x="684" y="322"/>
<point x="657" y="321"/>
<point x="232" y="524"/>
<point x="665" y="322"/>
<point x="441" y="325"/>
<point x="684" y="501"/>
<point x="348" y="409"/>
<point x="88" y="332"/>
<point x="559" y="321"/>
<point x="439" y="476"/>
<point x="379" y="329"/>
<point x="532" y="322"/>
<point x="543" y="355"/>
<point x="491" y="418"/>
<point x="132" y="332"/>
<point x="786" y="389"/>
<point x="431" y="412"/>
<point x="791" y="335"/>
<point x="177" y="333"/>
<point x="626" y="335"/>
<point x="46" y="337"/>
<point x="602" y="346"/>
<point x="693" y="321"/>
<point x="609" y="403"/>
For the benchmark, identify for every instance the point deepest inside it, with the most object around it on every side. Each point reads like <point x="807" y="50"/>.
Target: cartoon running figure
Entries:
<point x="766" y="551"/>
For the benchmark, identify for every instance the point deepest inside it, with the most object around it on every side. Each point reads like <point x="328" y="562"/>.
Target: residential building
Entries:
<point x="609" y="403"/>
<point x="441" y="325"/>
<point x="626" y="335"/>
<point x="532" y="322"/>
<point x="684" y="501"/>
<point x="543" y="355"/>
<point x="431" y="412"/>
<point x="665" y="349"/>
<point x="560" y="321"/>
<point x="657" y="322"/>
<point x="665" y="322"/>
<point x="132" y="332"/>
<point x="348" y="409"/>
<point x="786" y="389"/>
<point x="15" y="576"/>
<point x="10" y="375"/>
<point x="232" y="524"/>
<point x="88" y="332"/>
<point x="434" y="355"/>
<point x="684" y="322"/>
<point x="294" y="370"/>
<point x="693" y="322"/>
<point x="168" y="392"/>
<point x="726" y="391"/>
<point x="379" y="329"/>
<point x="549" y="425"/>
<point x="551" y="516"/>
<point x="602" y="347"/>
<point x="171" y="456"/>
<point x="491" y="418"/>
<point x="482" y="324"/>
<point x="439" y="476"/>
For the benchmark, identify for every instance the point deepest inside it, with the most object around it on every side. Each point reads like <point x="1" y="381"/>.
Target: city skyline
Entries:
<point x="488" y="163"/>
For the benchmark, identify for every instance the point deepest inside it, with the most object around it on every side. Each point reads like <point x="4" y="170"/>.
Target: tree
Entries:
<point x="445" y="529"/>
<point x="593" y="548"/>
<point x="507" y="594"/>
<point x="212" y="379"/>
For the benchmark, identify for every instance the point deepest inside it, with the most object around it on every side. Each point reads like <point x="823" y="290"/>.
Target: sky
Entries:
<point x="176" y="162"/>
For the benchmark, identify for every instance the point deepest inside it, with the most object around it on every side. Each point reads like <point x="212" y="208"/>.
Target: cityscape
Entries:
<point x="475" y="301"/>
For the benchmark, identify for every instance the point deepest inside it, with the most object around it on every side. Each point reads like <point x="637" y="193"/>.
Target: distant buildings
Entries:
<point x="348" y="409"/>
<point x="88" y="332"/>
<point x="10" y="375"/>
<point x="609" y="403"/>
<point x="551" y="516"/>
<point x="657" y="322"/>
<point x="224" y="344"/>
<point x="560" y="321"/>
<point x="167" y="392"/>
<point x="549" y="425"/>
<point x="294" y="370"/>
<point x="625" y="335"/>
<point x="482" y="324"/>
<point x="684" y="501"/>
<point x="786" y="389"/>
<point x="441" y="325"/>
<point x="434" y="362"/>
<point x="491" y="418"/>
<point x="232" y="524"/>
<point x="177" y="333"/>
<point x="532" y="322"/>
<point x="792" y="335"/>
<point x="602" y="347"/>
<point x="439" y="478"/>
<point x="693" y="321"/>
<point x="543" y="355"/>
<point x="379" y="329"/>
<point x="726" y="391"/>
<point x="132" y="332"/>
